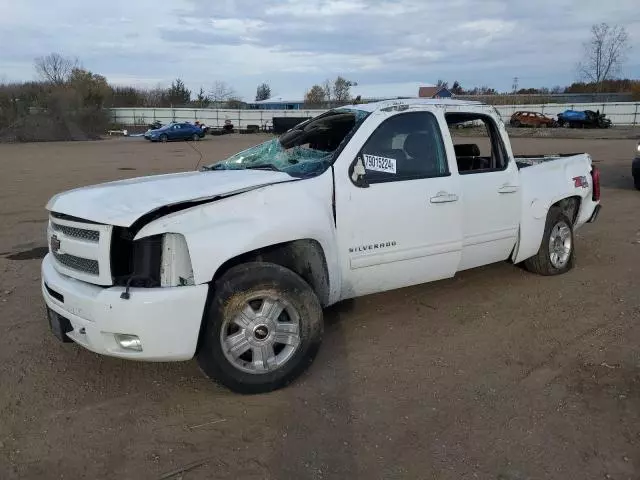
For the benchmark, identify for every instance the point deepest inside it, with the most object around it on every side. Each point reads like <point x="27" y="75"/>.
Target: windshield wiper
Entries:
<point x="263" y="166"/>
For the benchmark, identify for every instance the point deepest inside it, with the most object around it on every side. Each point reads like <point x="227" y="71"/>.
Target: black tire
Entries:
<point x="164" y="138"/>
<point x="516" y="124"/>
<point x="636" y="181"/>
<point x="230" y="294"/>
<point x="541" y="263"/>
<point x="195" y="137"/>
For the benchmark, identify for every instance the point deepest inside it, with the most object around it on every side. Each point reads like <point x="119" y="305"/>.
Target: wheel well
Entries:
<point x="304" y="257"/>
<point x="570" y="206"/>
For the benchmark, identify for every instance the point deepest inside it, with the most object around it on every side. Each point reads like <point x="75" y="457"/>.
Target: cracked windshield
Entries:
<point x="306" y="150"/>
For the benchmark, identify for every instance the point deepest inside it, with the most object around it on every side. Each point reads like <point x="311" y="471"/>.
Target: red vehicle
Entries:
<point x="532" y="119"/>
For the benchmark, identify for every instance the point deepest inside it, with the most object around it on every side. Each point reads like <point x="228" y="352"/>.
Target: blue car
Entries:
<point x="175" y="131"/>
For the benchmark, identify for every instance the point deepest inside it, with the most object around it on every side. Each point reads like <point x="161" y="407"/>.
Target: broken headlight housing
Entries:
<point x="155" y="261"/>
<point x="175" y="264"/>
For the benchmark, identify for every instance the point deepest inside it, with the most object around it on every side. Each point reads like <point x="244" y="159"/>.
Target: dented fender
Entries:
<point x="219" y="231"/>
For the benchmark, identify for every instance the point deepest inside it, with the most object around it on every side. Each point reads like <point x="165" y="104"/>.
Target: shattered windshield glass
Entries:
<point x="306" y="150"/>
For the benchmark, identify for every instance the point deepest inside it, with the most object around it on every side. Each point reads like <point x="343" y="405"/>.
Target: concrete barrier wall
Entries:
<point x="627" y="113"/>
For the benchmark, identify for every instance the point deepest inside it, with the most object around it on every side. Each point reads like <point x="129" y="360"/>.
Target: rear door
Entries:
<point x="398" y="206"/>
<point x="490" y="197"/>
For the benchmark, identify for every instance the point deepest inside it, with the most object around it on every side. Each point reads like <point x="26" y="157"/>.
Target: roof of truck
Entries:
<point x="372" y="107"/>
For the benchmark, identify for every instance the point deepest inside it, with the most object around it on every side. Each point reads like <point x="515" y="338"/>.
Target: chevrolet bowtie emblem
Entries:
<point x="55" y="244"/>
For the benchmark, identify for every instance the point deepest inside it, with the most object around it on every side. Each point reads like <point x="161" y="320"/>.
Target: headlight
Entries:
<point x="638" y="148"/>
<point x="175" y="266"/>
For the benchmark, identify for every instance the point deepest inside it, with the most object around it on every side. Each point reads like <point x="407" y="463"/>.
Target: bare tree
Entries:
<point x="155" y="97"/>
<point x="55" y="68"/>
<point x="221" y="92"/>
<point x="342" y="89"/>
<point x="315" y="96"/>
<point x="604" y="53"/>
<point x="328" y="91"/>
<point x="202" y="99"/>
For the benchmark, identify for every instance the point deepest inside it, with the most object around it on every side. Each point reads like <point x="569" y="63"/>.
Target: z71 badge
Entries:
<point x="580" y="182"/>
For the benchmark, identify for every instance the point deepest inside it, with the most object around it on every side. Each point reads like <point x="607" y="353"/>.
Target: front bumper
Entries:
<point x="166" y="320"/>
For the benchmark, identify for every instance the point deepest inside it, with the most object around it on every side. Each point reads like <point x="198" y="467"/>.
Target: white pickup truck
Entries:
<point x="234" y="263"/>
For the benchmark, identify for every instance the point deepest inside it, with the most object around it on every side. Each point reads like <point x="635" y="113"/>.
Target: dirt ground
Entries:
<point x="495" y="374"/>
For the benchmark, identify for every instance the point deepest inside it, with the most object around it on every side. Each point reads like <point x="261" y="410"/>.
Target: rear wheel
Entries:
<point x="262" y="328"/>
<point x="556" y="252"/>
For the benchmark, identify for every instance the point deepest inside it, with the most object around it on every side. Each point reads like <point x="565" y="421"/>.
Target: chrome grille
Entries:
<point x="79" y="233"/>
<point x="80" y="264"/>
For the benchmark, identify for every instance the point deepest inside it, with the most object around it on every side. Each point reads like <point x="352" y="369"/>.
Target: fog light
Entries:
<point x="129" y="342"/>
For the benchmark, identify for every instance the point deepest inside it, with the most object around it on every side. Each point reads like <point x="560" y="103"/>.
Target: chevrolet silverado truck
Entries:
<point x="234" y="263"/>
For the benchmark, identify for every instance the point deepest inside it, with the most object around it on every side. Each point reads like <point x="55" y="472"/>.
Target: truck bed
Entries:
<point x="524" y="161"/>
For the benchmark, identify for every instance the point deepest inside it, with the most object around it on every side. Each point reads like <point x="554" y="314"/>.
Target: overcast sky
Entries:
<point x="388" y="47"/>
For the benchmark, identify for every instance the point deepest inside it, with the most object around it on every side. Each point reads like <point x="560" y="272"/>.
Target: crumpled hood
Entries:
<point x="122" y="202"/>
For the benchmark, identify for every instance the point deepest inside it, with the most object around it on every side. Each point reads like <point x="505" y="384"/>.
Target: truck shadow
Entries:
<point x="32" y="254"/>
<point x="319" y="418"/>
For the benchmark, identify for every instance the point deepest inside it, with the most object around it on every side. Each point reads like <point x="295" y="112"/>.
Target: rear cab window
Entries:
<point x="480" y="149"/>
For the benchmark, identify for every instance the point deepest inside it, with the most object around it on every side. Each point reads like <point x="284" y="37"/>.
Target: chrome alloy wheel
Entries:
<point x="560" y="245"/>
<point x="263" y="336"/>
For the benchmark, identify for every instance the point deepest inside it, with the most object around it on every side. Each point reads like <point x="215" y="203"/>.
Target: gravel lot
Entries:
<point x="496" y="374"/>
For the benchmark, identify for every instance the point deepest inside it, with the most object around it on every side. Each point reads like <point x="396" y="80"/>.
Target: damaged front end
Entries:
<point x="156" y="261"/>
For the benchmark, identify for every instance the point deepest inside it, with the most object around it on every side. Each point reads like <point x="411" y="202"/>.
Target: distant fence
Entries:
<point x="208" y="116"/>
<point x="622" y="113"/>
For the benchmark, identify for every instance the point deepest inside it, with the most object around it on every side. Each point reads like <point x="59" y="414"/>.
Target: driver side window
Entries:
<point x="407" y="146"/>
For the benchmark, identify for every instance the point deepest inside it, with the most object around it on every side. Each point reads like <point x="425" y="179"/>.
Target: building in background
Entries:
<point x="276" y="103"/>
<point x="434" y="92"/>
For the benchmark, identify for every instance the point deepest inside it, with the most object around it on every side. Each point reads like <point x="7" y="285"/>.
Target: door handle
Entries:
<point x="508" y="189"/>
<point x="444" y="197"/>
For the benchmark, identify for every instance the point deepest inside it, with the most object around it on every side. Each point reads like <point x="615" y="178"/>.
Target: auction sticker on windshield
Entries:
<point x="380" y="164"/>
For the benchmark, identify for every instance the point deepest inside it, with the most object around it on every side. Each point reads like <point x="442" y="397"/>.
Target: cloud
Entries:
<point x="295" y="43"/>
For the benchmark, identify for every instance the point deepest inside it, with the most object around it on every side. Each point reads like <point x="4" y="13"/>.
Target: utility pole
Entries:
<point x="514" y="87"/>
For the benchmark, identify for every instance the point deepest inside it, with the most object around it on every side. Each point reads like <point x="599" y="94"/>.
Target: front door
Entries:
<point x="398" y="204"/>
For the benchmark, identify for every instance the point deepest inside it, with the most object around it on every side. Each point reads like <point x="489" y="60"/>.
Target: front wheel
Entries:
<point x="636" y="181"/>
<point x="262" y="328"/>
<point x="164" y="138"/>
<point x="556" y="254"/>
<point x="195" y="137"/>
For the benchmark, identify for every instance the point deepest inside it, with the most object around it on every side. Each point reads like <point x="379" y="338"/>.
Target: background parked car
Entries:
<point x="583" y="119"/>
<point x="175" y="131"/>
<point x="531" y="119"/>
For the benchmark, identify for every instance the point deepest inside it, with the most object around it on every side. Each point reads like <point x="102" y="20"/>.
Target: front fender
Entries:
<point x="224" y="229"/>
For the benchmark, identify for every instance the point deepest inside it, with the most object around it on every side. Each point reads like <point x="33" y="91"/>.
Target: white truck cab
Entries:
<point x="234" y="263"/>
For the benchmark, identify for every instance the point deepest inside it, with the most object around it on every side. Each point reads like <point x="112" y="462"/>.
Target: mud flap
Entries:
<point x="59" y="326"/>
